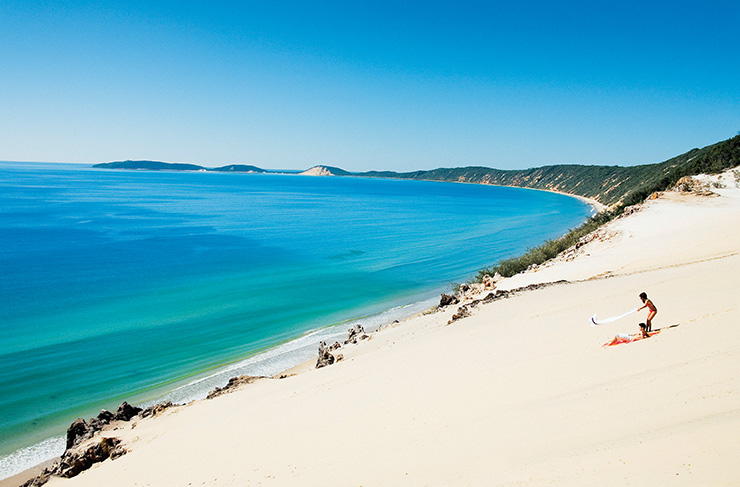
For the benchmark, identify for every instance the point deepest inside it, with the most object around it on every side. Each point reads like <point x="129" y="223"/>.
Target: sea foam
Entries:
<point x="268" y="363"/>
<point x="286" y="355"/>
<point x="29" y="457"/>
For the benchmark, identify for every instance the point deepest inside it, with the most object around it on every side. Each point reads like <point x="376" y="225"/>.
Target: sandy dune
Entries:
<point x="520" y="393"/>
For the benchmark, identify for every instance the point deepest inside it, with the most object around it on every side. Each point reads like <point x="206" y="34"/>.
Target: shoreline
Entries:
<point x="554" y="430"/>
<point x="227" y="366"/>
<point x="596" y="205"/>
<point x="333" y="332"/>
<point x="527" y="277"/>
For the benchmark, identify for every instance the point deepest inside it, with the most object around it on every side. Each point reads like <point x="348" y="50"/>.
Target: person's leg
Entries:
<point x="649" y="321"/>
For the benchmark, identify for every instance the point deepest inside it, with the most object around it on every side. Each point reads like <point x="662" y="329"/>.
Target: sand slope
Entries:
<point x="521" y="393"/>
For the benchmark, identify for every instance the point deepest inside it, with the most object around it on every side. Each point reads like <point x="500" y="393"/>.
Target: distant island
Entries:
<point x="614" y="186"/>
<point x="176" y="166"/>
<point x="243" y="168"/>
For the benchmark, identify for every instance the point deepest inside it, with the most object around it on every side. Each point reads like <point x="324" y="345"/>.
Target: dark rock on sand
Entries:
<point x="465" y="310"/>
<point x="325" y="356"/>
<point x="101" y="420"/>
<point x="355" y="333"/>
<point x="157" y="408"/>
<point x="74" y="461"/>
<point x="234" y="383"/>
<point x="447" y="299"/>
<point x="106" y="416"/>
<point x="462" y="312"/>
<point x="78" y="432"/>
<point x="501" y="294"/>
<point x="126" y="411"/>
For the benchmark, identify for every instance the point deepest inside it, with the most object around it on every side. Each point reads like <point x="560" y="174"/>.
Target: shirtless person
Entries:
<point x="652" y="310"/>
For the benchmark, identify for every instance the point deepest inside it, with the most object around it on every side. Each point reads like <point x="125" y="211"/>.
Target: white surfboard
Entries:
<point x="595" y="321"/>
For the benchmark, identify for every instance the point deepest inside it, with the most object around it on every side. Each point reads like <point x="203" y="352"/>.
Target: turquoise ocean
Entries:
<point x="148" y="286"/>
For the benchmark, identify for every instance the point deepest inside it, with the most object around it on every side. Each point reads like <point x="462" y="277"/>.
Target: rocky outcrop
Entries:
<point x="462" y="312"/>
<point x="697" y="186"/>
<point x="233" y="384"/>
<point x="81" y="430"/>
<point x="489" y="282"/>
<point x="75" y="461"/>
<point x="325" y="356"/>
<point x="687" y="184"/>
<point x="78" y="432"/>
<point x="447" y="300"/>
<point x="104" y="418"/>
<point x="83" y="450"/>
<point x="474" y="290"/>
<point x="501" y="294"/>
<point x="600" y="235"/>
<point x="157" y="408"/>
<point x="126" y="411"/>
<point x="356" y="333"/>
<point x="466" y="310"/>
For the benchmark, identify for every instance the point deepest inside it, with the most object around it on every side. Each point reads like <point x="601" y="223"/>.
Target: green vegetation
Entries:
<point x="546" y="251"/>
<point x="618" y="186"/>
<point x="175" y="166"/>
<point x="150" y="166"/>
<point x="238" y="168"/>
<point x="615" y="186"/>
<point x="611" y="185"/>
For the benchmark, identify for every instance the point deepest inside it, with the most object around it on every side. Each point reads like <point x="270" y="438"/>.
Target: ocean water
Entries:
<point x="144" y="286"/>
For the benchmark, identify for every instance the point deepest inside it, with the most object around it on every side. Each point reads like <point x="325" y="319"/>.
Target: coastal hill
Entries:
<point x="245" y="168"/>
<point x="615" y="186"/>
<point x="238" y="168"/>
<point x="609" y="185"/>
<point x="176" y="166"/>
<point x="150" y="166"/>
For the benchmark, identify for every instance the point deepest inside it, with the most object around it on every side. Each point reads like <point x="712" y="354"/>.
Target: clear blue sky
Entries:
<point x="367" y="85"/>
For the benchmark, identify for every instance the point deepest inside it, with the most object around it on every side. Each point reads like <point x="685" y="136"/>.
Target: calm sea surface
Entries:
<point x="123" y="285"/>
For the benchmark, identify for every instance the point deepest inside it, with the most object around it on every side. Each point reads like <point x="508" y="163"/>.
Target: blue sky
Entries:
<point x="367" y="85"/>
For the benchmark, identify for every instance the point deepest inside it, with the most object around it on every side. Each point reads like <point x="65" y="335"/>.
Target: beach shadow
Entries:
<point x="674" y="325"/>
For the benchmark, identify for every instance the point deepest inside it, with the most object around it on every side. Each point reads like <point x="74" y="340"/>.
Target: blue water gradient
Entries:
<point x="124" y="285"/>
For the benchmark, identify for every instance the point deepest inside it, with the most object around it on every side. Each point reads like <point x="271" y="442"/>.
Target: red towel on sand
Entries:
<point x="611" y="343"/>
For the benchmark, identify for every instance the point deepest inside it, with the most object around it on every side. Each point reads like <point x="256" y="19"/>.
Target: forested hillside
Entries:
<point x="609" y="185"/>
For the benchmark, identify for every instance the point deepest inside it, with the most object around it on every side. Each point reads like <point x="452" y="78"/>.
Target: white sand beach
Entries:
<point x="519" y="393"/>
